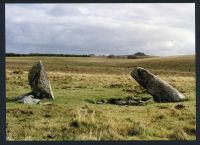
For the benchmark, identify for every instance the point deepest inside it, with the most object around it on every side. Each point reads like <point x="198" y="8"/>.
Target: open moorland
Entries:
<point x="79" y="82"/>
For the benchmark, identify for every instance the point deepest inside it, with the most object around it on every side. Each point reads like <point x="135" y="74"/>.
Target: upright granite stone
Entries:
<point x="159" y="89"/>
<point x="39" y="82"/>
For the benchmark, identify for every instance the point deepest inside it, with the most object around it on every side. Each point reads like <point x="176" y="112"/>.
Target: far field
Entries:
<point x="78" y="83"/>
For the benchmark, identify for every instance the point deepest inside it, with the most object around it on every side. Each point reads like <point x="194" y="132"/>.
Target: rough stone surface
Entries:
<point x="159" y="89"/>
<point x="27" y="99"/>
<point x="24" y="95"/>
<point x="39" y="82"/>
<point x="130" y="101"/>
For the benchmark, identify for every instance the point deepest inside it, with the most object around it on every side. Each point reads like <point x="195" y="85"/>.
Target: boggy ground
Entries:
<point x="78" y="83"/>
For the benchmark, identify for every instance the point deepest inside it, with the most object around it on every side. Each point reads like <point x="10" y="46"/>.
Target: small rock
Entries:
<point x="99" y="102"/>
<point x="24" y="95"/>
<point x="132" y="102"/>
<point x="28" y="100"/>
<point x="120" y="102"/>
<point x="102" y="101"/>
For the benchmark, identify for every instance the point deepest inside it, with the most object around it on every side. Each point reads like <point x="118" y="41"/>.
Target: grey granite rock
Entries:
<point x="28" y="99"/>
<point x="159" y="89"/>
<point x="39" y="82"/>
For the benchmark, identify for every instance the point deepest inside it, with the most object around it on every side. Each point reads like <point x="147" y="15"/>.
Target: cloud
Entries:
<point x="156" y="29"/>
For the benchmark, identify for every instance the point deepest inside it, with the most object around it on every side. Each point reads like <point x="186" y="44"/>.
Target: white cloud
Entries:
<point x="157" y="29"/>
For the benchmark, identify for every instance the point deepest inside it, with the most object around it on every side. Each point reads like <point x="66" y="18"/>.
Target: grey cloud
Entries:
<point x="62" y="10"/>
<point x="157" y="29"/>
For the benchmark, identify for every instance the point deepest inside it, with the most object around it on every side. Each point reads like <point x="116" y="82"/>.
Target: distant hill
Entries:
<point x="138" y="55"/>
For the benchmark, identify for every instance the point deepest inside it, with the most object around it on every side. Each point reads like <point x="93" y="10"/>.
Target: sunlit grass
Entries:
<point x="78" y="82"/>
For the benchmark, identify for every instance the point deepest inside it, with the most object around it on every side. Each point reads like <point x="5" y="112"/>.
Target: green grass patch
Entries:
<point x="78" y="83"/>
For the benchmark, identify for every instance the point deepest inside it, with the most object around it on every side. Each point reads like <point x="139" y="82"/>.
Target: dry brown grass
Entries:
<point x="78" y="83"/>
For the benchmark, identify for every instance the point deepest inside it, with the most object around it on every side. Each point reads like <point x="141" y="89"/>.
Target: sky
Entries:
<point x="101" y="29"/>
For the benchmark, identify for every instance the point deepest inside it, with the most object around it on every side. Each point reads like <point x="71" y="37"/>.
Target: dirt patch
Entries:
<point x="159" y="117"/>
<point x="18" y="72"/>
<point x="20" y="111"/>
<point x="51" y="136"/>
<point x="190" y="131"/>
<point x="162" y="107"/>
<point x="178" y="134"/>
<point x="129" y="90"/>
<point x="47" y="116"/>
<point x="115" y="85"/>
<point x="75" y="124"/>
<point x="179" y="106"/>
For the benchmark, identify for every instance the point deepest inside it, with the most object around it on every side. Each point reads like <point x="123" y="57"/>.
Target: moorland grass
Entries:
<point x="78" y="83"/>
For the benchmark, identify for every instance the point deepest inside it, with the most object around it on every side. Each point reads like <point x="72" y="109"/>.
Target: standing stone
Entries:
<point x="39" y="82"/>
<point x="159" y="89"/>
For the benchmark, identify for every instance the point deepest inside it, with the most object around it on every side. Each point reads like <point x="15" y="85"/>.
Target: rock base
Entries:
<point x="28" y="98"/>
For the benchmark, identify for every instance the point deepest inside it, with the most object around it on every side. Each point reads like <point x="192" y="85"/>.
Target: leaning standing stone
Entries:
<point x="159" y="89"/>
<point x="39" y="82"/>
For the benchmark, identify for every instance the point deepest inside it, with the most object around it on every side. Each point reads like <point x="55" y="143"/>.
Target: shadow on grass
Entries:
<point x="90" y="101"/>
<point x="180" y="101"/>
<point x="18" y="97"/>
